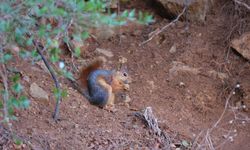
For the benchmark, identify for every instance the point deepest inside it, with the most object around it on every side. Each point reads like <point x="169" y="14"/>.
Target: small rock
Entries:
<point x="214" y="74"/>
<point x="231" y="139"/>
<point x="242" y="45"/>
<point x="181" y="84"/>
<point x="76" y="125"/>
<point x="173" y="49"/>
<point x="127" y="99"/>
<point x="197" y="9"/>
<point x="123" y="60"/>
<point x="179" y="67"/>
<point x="38" y="92"/>
<point x="172" y="145"/>
<point x="152" y="84"/>
<point x="104" y="33"/>
<point x="105" y="52"/>
<point x="123" y="37"/>
<point x="26" y="78"/>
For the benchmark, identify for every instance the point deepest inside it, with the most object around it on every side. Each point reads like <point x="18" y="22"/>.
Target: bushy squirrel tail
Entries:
<point x="96" y="64"/>
<point x="82" y="88"/>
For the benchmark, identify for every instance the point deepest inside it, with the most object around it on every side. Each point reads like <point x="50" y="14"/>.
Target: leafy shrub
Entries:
<point x="36" y="28"/>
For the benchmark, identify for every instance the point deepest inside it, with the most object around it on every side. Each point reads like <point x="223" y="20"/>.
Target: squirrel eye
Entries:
<point x="125" y="74"/>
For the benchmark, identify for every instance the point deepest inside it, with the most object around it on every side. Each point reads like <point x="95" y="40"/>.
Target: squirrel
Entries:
<point x="100" y="85"/>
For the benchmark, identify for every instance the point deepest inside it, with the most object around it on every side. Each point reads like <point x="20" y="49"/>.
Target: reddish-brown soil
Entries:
<point x="186" y="103"/>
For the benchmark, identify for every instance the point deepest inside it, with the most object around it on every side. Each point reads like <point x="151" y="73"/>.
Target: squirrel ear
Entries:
<point x="123" y="69"/>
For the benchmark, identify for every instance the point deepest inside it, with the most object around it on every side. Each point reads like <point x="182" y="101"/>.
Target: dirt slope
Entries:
<point x="187" y="90"/>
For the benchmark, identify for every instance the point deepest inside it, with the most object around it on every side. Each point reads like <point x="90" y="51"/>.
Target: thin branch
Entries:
<point x="52" y="73"/>
<point x="242" y="4"/>
<point x="3" y="74"/>
<point x="5" y="94"/>
<point x="70" y="47"/>
<point x="156" y="32"/>
<point x="148" y="117"/>
<point x="207" y="139"/>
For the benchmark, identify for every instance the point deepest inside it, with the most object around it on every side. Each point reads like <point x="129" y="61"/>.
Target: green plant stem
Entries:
<point x="52" y="73"/>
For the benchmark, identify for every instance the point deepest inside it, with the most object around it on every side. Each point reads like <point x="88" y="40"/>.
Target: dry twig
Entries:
<point x="70" y="46"/>
<point x="3" y="74"/>
<point x="148" y="116"/>
<point x="52" y="73"/>
<point x="242" y="4"/>
<point x="156" y="32"/>
<point x="207" y="138"/>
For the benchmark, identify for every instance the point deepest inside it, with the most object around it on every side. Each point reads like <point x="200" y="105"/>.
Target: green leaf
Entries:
<point x="41" y="31"/>
<point x="57" y="93"/>
<point x="12" y="117"/>
<point x="124" y="14"/>
<point x="18" y="141"/>
<point x="145" y="18"/>
<point x="85" y="35"/>
<point x="54" y="58"/>
<point x="6" y="57"/>
<point x="4" y="25"/>
<point x="54" y="54"/>
<point x="64" y="93"/>
<point x="90" y="6"/>
<point x="131" y="14"/>
<point x="48" y="27"/>
<point x="80" y="5"/>
<point x="11" y="110"/>
<point x="24" y="54"/>
<point x="77" y="37"/>
<point x="41" y="11"/>
<point x="55" y="44"/>
<point x="29" y="41"/>
<point x="15" y="78"/>
<point x="24" y="102"/>
<point x="66" y="39"/>
<point x="5" y="8"/>
<point x="35" y="56"/>
<point x="1" y="104"/>
<point x="77" y="52"/>
<point x="34" y="53"/>
<point x="59" y="12"/>
<point x="13" y="102"/>
<point x="68" y="74"/>
<point x="17" y="88"/>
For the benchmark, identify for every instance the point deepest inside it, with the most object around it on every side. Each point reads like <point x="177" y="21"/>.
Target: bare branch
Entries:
<point x="3" y="74"/>
<point x="242" y="4"/>
<point x="148" y="116"/>
<point x="207" y="137"/>
<point x="5" y="94"/>
<point x="156" y="32"/>
<point x="52" y="73"/>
